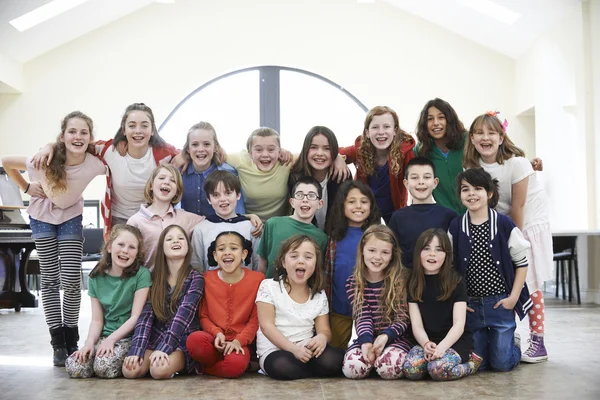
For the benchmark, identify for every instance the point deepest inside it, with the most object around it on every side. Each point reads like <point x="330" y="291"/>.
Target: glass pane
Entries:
<point x="231" y="105"/>
<point x="307" y="101"/>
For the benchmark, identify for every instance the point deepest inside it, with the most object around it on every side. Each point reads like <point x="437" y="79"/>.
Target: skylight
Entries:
<point x="44" y="13"/>
<point x="492" y="9"/>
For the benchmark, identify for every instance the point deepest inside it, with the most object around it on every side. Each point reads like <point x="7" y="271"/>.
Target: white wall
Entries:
<point x="160" y="54"/>
<point x="550" y="78"/>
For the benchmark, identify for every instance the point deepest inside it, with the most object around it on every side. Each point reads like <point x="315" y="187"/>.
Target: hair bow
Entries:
<point x="495" y="114"/>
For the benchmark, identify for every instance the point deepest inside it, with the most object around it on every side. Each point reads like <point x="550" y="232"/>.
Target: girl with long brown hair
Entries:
<point x="55" y="214"/>
<point x="168" y="318"/>
<point x="380" y="155"/>
<point x="377" y="293"/>
<point x="437" y="303"/>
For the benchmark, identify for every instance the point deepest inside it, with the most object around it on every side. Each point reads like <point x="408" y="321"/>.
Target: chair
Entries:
<point x="565" y="251"/>
<point x="92" y="247"/>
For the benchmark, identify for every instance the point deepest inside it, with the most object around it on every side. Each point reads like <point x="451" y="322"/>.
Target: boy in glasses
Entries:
<point x="306" y="200"/>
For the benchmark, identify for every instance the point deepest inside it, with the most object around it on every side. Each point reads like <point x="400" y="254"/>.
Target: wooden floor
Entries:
<point x="573" y="341"/>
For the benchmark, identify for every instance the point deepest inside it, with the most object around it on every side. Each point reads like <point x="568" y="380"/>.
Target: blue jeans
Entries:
<point x="68" y="230"/>
<point x="493" y="333"/>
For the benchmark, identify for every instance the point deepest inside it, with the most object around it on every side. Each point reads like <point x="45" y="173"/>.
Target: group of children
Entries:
<point x="434" y="292"/>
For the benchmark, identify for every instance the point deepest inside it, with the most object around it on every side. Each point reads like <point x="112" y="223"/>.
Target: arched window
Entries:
<point x="288" y="100"/>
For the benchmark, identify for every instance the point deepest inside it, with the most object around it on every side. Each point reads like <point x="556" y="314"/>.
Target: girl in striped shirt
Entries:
<point x="377" y="292"/>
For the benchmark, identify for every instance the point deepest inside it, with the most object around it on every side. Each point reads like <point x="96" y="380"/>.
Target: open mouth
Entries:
<point x="201" y="156"/>
<point x="228" y="260"/>
<point x="224" y="206"/>
<point x="381" y="139"/>
<point x="265" y="163"/>
<point x="358" y="213"/>
<point x="319" y="161"/>
<point x="165" y="190"/>
<point x="431" y="261"/>
<point x="138" y="138"/>
<point x="305" y="209"/>
<point x="123" y="258"/>
<point x="300" y="272"/>
<point x="486" y="146"/>
<point x="77" y="144"/>
<point x="176" y="247"/>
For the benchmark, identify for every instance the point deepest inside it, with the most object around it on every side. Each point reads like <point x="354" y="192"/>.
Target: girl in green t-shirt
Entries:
<point x="118" y="288"/>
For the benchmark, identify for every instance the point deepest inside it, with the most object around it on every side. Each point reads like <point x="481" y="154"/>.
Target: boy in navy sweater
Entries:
<point x="491" y="253"/>
<point x="408" y="223"/>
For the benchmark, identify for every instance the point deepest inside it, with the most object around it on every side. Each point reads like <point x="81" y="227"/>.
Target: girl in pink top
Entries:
<point x="163" y="191"/>
<point x="55" y="217"/>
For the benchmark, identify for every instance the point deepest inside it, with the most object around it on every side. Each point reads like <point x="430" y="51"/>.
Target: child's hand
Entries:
<point x="469" y="309"/>
<point x="439" y="351"/>
<point x="84" y="353"/>
<point x="122" y="148"/>
<point x="180" y="161"/>
<point x="36" y="190"/>
<point x="302" y="354"/>
<point x="131" y="361"/>
<point x="428" y="350"/>
<point x="232" y="346"/>
<point x="367" y="352"/>
<point x="507" y="303"/>
<point x="339" y="169"/>
<point x="257" y="223"/>
<point x="43" y="157"/>
<point x="285" y="157"/>
<point x="379" y="344"/>
<point x="220" y="342"/>
<point x="106" y="348"/>
<point x="158" y="358"/>
<point x="537" y="164"/>
<point x="317" y="345"/>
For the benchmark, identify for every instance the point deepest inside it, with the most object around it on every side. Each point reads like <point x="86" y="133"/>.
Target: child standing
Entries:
<point x="522" y="197"/>
<point x="377" y="293"/>
<point x="491" y="253"/>
<point x="163" y="190"/>
<point x="202" y="153"/>
<point x="292" y="313"/>
<point x="228" y="312"/>
<point x="353" y="211"/>
<point x="319" y="150"/>
<point x="118" y="288"/>
<point x="158" y="343"/>
<point x="306" y="201"/>
<point x="409" y="222"/>
<point x="437" y="304"/>
<point x="55" y="214"/>
<point x="224" y="193"/>
<point x="380" y="155"/>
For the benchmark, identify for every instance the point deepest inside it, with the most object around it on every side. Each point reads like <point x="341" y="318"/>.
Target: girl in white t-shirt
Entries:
<point x="55" y="214"/>
<point x="291" y="308"/>
<point x="523" y="198"/>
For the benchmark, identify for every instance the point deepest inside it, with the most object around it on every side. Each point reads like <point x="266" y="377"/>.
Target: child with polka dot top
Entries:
<point x="491" y="253"/>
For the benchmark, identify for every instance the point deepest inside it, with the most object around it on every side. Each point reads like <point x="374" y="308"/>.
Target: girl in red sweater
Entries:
<point x="227" y="311"/>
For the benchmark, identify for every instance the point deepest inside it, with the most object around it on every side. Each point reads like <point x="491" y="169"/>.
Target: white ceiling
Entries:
<point x="511" y="40"/>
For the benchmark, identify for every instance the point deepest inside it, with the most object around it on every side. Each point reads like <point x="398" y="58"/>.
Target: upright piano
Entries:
<point x="16" y="246"/>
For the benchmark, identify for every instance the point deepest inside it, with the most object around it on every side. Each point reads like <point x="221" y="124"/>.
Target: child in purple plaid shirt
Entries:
<point x="168" y="318"/>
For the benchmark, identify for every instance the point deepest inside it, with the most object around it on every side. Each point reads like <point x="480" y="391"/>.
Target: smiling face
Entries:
<point x="229" y="253"/>
<point x="432" y="257"/>
<point x="201" y="148"/>
<point x="357" y="208"/>
<point x="436" y="123"/>
<point x="377" y="254"/>
<point x="475" y="198"/>
<point x="300" y="263"/>
<point x="486" y="140"/>
<point x="175" y="245"/>
<point x="305" y="209"/>
<point x="224" y="201"/>
<point x="76" y="136"/>
<point x="164" y="186"/>
<point x="420" y="183"/>
<point x="264" y="152"/>
<point x="319" y="153"/>
<point x="138" y="129"/>
<point x="123" y="250"/>
<point x="382" y="131"/>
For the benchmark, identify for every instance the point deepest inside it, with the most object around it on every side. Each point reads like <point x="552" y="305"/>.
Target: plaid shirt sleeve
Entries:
<point x="141" y="334"/>
<point x="186" y="312"/>
<point x="328" y="268"/>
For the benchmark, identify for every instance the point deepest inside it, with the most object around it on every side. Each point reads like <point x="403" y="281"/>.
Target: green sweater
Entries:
<point x="446" y="170"/>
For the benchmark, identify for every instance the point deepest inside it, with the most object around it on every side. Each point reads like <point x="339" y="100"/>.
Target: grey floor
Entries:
<point x="573" y="341"/>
